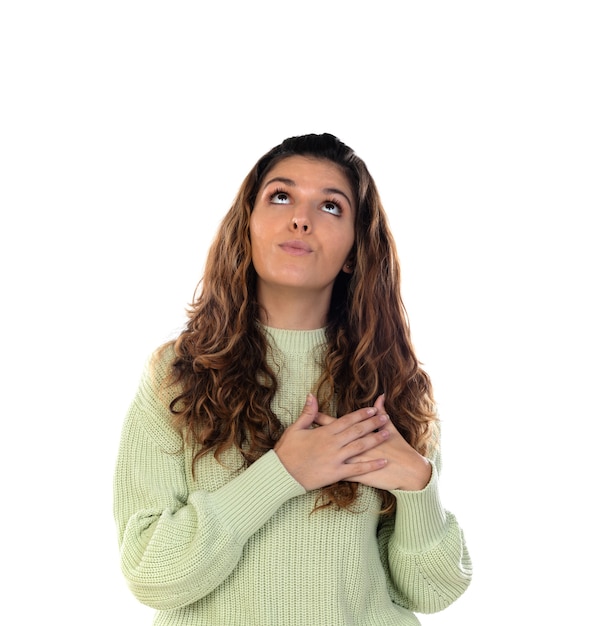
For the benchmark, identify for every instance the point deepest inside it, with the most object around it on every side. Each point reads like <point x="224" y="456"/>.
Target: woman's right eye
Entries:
<point x="279" y="197"/>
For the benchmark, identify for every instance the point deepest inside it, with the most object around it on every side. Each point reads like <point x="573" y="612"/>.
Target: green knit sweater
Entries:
<point x="243" y="548"/>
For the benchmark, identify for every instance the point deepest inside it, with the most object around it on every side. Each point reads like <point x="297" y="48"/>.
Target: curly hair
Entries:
<point x="220" y="367"/>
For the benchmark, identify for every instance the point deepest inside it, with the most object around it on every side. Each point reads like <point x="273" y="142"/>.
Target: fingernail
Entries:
<point x="371" y="411"/>
<point x="309" y="399"/>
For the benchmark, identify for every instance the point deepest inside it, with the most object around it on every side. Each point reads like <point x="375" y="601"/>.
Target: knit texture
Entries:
<point x="241" y="547"/>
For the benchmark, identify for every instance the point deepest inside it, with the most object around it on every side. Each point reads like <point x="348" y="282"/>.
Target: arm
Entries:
<point x="177" y="545"/>
<point x="421" y="545"/>
<point x="423" y="551"/>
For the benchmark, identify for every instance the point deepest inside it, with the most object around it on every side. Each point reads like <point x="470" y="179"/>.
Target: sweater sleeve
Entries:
<point x="424" y="550"/>
<point x="177" y="545"/>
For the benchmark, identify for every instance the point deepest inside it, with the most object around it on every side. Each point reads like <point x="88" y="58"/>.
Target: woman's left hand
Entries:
<point x="406" y="468"/>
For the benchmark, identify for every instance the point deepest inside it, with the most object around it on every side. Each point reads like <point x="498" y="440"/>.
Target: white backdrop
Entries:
<point x="126" y="129"/>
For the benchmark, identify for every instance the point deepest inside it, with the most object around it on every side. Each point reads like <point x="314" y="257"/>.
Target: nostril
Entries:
<point x="296" y="226"/>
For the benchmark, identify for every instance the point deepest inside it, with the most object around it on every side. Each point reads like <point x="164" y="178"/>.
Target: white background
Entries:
<point x="126" y="129"/>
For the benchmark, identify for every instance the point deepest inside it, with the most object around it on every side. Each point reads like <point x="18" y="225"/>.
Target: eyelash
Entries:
<point x="277" y="191"/>
<point x="280" y="190"/>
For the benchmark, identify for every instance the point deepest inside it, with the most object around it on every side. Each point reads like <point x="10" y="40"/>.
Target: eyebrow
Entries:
<point x="291" y="183"/>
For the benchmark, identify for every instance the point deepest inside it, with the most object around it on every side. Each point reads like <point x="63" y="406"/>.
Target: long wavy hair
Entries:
<point x="224" y="385"/>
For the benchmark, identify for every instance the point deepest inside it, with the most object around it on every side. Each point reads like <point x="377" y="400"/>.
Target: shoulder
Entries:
<point x="150" y="408"/>
<point x="159" y="367"/>
<point x="434" y="452"/>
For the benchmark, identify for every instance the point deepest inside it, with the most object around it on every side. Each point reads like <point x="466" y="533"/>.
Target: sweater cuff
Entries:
<point x="249" y="500"/>
<point x="421" y="521"/>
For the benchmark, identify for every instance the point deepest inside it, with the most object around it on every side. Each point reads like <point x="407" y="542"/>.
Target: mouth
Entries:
<point x="295" y="247"/>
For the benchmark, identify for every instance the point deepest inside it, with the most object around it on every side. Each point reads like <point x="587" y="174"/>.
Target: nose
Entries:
<point x="300" y="224"/>
<point x="301" y="217"/>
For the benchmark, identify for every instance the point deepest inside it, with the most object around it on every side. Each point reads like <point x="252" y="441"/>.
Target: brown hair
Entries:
<point x="225" y="384"/>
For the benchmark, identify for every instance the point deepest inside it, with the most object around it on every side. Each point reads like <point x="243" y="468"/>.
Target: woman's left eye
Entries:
<point x="332" y="207"/>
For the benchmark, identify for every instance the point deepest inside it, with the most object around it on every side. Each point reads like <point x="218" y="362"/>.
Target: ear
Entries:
<point x="350" y="262"/>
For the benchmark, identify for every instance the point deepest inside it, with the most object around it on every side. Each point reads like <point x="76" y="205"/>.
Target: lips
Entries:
<point x="295" y="247"/>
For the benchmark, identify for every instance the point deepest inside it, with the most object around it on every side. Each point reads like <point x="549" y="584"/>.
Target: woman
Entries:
<point x="279" y="463"/>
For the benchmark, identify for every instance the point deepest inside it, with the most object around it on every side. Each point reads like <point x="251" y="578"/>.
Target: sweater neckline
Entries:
<point x="295" y="341"/>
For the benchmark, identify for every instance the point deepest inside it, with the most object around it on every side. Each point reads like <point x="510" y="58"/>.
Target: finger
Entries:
<point x="357" y="448"/>
<point x="379" y="404"/>
<point x="361" y="430"/>
<point x="349" y="420"/>
<point x="309" y="412"/>
<point x="322" y="419"/>
<point x="365" y="467"/>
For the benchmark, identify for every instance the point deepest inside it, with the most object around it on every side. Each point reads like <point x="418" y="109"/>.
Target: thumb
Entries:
<point x="309" y="412"/>
<point x="379" y="404"/>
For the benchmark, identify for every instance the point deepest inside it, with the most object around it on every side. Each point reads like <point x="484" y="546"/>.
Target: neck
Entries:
<point x="291" y="311"/>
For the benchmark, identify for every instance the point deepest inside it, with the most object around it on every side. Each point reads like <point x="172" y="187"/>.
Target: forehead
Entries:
<point x="311" y="171"/>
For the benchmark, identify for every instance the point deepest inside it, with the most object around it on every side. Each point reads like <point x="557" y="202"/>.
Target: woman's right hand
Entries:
<point x="317" y="457"/>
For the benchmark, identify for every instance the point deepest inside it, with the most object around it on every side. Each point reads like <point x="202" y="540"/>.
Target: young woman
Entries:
<point x="279" y="463"/>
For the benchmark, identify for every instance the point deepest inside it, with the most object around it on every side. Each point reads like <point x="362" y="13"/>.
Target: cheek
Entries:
<point x="256" y="242"/>
<point x="348" y="245"/>
<point x="255" y="236"/>
<point x="258" y="227"/>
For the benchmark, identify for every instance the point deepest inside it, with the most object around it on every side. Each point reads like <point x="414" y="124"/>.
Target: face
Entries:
<point x="302" y="227"/>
